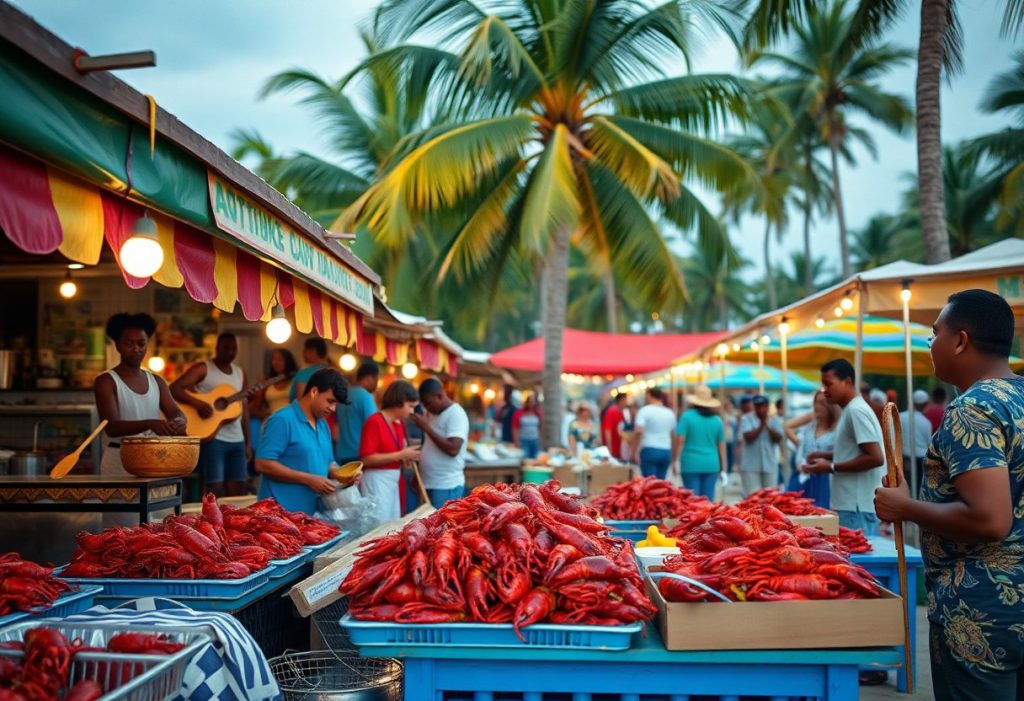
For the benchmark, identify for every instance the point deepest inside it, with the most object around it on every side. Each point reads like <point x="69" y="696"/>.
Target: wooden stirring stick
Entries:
<point x="892" y="438"/>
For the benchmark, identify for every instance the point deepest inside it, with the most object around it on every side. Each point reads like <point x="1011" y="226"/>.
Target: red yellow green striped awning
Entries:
<point x="43" y="210"/>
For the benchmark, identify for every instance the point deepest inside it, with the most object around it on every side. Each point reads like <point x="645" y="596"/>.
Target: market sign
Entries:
<point x="241" y="217"/>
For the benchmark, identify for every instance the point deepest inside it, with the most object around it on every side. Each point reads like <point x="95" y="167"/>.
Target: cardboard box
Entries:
<point x="826" y="523"/>
<point x="330" y="568"/>
<point x="605" y="475"/>
<point x="778" y="625"/>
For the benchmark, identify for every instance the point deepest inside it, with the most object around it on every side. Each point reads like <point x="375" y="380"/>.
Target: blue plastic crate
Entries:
<point x="539" y="635"/>
<point x="66" y="605"/>
<point x="175" y="588"/>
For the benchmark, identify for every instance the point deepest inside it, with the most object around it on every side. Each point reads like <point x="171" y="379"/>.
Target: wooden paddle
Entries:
<point x="67" y="462"/>
<point x="892" y="437"/>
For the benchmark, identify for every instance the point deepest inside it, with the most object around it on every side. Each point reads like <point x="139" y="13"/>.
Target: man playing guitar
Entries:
<point x="223" y="459"/>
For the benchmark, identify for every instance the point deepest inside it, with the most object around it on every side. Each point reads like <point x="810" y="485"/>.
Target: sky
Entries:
<point x="213" y="56"/>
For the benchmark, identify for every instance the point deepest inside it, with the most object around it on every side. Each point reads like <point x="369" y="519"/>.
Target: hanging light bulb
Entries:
<point x="279" y="329"/>
<point x="819" y="322"/>
<point x="474" y="388"/>
<point x="846" y="303"/>
<point x="783" y="326"/>
<point x="754" y="345"/>
<point x="141" y="254"/>
<point x="838" y="311"/>
<point x="736" y="348"/>
<point x="156" y="364"/>
<point x="766" y="339"/>
<point x="347" y="362"/>
<point x="68" y="288"/>
<point x="721" y="349"/>
<point x="490" y="394"/>
<point x="905" y="292"/>
<point x="410" y="371"/>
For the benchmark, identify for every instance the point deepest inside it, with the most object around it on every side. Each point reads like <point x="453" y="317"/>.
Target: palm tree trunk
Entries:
<point x="769" y="276"/>
<point x="929" y="132"/>
<point x="837" y="198"/>
<point x="808" y="274"/>
<point x="723" y="310"/>
<point x="556" y="293"/>
<point x="611" y="302"/>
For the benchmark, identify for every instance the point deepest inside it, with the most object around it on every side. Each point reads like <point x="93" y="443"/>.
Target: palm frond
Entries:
<point x="551" y="200"/>
<point x="437" y="174"/>
<point x="493" y="42"/>
<point x="640" y="168"/>
<point x="693" y="102"/>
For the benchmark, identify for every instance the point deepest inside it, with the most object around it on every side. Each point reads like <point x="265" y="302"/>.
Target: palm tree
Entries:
<point x="718" y="294"/>
<point x="567" y="130"/>
<point x="940" y="47"/>
<point x="971" y="184"/>
<point x="887" y="238"/>
<point x="790" y="281"/>
<point x="831" y="73"/>
<point x="1006" y="147"/>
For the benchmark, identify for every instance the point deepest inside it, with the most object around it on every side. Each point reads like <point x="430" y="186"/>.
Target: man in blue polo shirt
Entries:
<point x="296" y="450"/>
<point x="360" y="407"/>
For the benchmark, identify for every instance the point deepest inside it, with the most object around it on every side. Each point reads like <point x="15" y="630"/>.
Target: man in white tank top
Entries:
<point x="222" y="460"/>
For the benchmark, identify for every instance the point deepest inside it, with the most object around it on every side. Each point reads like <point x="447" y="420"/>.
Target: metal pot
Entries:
<point x="32" y="463"/>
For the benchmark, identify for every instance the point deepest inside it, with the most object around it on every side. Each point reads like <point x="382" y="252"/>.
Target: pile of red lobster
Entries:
<point x="517" y="554"/>
<point x="791" y="503"/>
<point x="646" y="499"/>
<point x="757" y="554"/>
<point x="42" y="671"/>
<point x="853" y="541"/>
<point x="25" y="585"/>
<point x="221" y="542"/>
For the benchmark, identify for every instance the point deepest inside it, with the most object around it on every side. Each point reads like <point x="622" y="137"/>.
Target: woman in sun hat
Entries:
<point x="700" y="443"/>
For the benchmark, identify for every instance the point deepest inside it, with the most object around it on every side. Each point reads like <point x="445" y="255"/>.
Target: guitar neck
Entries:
<point x="255" y="388"/>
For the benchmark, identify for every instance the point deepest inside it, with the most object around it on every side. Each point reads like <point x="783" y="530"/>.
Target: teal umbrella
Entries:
<point x="749" y="376"/>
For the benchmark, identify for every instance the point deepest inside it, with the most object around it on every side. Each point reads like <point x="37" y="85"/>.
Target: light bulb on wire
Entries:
<point x="838" y="311"/>
<point x="141" y="254"/>
<point x="156" y="364"/>
<point x="68" y="288"/>
<point x="846" y="303"/>
<point x="410" y="371"/>
<point x="819" y="322"/>
<point x="279" y="329"/>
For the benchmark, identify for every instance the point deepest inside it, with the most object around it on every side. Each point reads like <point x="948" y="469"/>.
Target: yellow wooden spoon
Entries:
<point x="71" y="459"/>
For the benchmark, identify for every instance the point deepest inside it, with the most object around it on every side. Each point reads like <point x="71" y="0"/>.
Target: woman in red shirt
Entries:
<point x="382" y="448"/>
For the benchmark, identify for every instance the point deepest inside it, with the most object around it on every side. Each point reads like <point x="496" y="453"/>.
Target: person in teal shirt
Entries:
<point x="352" y="416"/>
<point x="296" y="450"/>
<point x="314" y="353"/>
<point x="700" y="443"/>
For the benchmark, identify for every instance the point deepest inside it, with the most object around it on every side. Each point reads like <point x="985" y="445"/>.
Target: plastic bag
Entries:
<point x="348" y="509"/>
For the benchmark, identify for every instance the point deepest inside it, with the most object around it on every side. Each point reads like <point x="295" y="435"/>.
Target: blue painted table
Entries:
<point x="882" y="563"/>
<point x="647" y="670"/>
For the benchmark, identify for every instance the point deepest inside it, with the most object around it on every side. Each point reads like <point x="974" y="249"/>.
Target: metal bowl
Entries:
<point x="322" y="675"/>
<point x="160" y="456"/>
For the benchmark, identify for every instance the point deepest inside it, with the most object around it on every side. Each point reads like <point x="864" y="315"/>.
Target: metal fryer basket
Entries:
<point x="323" y="675"/>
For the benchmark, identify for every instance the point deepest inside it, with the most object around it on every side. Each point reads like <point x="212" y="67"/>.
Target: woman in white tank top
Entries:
<point x="130" y="398"/>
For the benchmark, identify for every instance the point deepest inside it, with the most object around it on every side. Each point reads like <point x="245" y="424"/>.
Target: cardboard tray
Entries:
<point x="779" y="625"/>
<point x="827" y="523"/>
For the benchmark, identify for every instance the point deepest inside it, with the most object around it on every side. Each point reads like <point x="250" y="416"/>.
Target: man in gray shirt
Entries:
<point x="857" y="462"/>
<point x="759" y="464"/>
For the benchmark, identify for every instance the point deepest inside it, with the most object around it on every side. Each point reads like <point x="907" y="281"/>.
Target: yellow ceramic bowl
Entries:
<point x="347" y="471"/>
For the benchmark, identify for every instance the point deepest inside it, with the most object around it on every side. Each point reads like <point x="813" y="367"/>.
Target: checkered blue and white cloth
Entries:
<point x="231" y="668"/>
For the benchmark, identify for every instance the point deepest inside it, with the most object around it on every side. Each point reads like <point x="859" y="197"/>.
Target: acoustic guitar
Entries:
<point x="227" y="406"/>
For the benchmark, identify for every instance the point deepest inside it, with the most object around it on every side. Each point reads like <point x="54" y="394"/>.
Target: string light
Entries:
<point x="141" y="254"/>
<point x="819" y="322"/>
<point x="279" y="329"/>
<point x="347" y="362"/>
<point x="846" y="303"/>
<point x="754" y="345"/>
<point x="474" y="388"/>
<point x="410" y="371"/>
<point x="68" y="288"/>
<point x="736" y="348"/>
<point x="766" y="339"/>
<point x="784" y="326"/>
<point x="156" y="364"/>
<point x="838" y="311"/>
<point x="722" y="349"/>
<point x="490" y="394"/>
<point x="905" y="293"/>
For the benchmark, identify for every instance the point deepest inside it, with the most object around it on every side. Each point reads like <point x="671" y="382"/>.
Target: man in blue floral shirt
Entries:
<point x="971" y="510"/>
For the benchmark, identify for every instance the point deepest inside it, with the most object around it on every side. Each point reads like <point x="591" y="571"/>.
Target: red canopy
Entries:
<point x="593" y="353"/>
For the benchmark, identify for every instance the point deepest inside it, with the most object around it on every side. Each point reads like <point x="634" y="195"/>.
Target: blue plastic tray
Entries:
<point x="313" y="550"/>
<point x="280" y="568"/>
<point x="631" y="525"/>
<point x="66" y="605"/>
<point x="539" y="635"/>
<point x="174" y="588"/>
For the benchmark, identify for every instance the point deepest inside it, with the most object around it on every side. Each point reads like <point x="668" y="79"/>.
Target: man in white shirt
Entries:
<point x="446" y="432"/>
<point x="762" y="434"/>
<point x="857" y="462"/>
<point x="921" y="430"/>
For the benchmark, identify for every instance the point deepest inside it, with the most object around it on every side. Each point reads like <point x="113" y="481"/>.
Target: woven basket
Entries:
<point x="160" y="456"/>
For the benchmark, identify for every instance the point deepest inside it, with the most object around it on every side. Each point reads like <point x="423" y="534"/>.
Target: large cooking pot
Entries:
<point x="32" y="463"/>
<point x="160" y="456"/>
